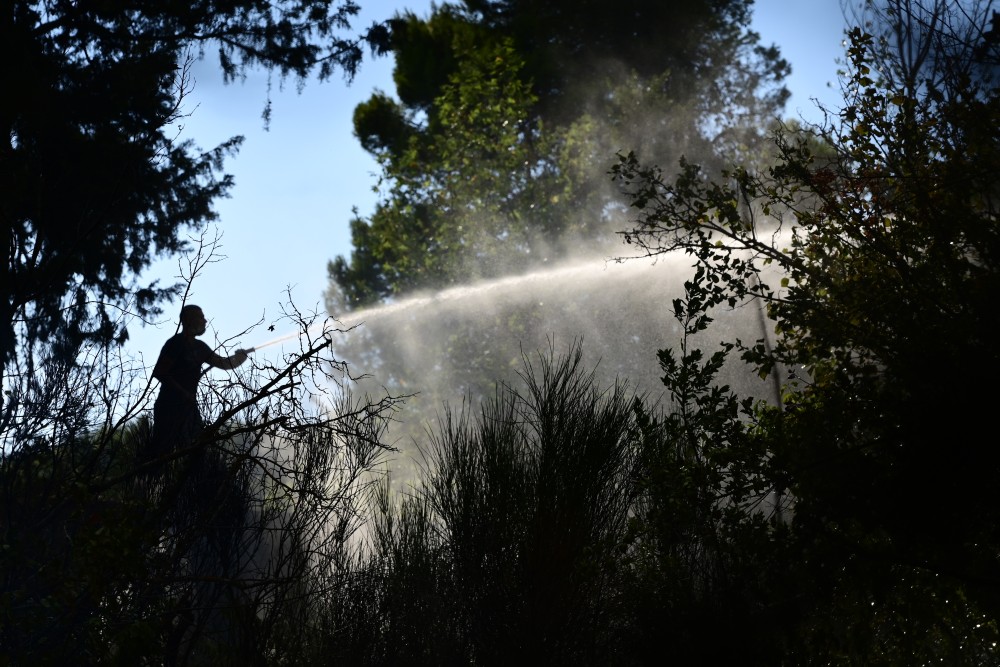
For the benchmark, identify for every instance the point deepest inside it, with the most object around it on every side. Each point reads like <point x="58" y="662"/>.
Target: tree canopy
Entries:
<point x="886" y="318"/>
<point x="95" y="181"/>
<point x="493" y="153"/>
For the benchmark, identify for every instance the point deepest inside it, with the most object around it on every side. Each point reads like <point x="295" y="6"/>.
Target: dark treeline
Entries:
<point x="559" y="519"/>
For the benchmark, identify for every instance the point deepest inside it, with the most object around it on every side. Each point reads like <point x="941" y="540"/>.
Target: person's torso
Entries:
<point x="186" y="357"/>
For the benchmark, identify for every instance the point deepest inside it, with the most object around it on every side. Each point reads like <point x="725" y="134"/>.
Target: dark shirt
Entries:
<point x="179" y="368"/>
<point x="176" y="418"/>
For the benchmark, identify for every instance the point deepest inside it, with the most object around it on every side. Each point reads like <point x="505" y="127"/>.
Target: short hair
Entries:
<point x="187" y="311"/>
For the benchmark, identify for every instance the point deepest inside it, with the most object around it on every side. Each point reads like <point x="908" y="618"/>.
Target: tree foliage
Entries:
<point x="457" y="205"/>
<point x="492" y="155"/>
<point x="96" y="183"/>
<point x="887" y="252"/>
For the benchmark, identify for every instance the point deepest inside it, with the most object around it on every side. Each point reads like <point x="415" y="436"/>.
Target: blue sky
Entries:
<point x="298" y="181"/>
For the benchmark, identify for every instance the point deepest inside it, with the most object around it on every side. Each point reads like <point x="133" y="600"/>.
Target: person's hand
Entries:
<point x="240" y="356"/>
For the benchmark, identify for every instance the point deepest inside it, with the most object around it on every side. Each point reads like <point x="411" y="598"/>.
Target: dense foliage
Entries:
<point x="493" y="156"/>
<point x="886" y="315"/>
<point x="562" y="524"/>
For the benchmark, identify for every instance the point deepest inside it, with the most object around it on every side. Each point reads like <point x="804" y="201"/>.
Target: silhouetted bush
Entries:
<point x="216" y="553"/>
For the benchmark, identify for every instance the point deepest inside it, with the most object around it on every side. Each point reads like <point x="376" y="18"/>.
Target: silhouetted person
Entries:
<point x="176" y="417"/>
<point x="201" y="499"/>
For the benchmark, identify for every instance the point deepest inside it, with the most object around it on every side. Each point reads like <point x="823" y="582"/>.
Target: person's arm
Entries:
<point x="227" y="363"/>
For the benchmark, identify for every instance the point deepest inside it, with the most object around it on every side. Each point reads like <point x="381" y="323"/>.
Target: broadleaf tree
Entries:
<point x="883" y="226"/>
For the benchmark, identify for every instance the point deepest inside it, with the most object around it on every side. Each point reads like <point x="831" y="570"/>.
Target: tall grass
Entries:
<point x="511" y="549"/>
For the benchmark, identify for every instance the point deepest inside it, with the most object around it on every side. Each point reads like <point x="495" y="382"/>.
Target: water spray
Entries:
<point x="462" y="292"/>
<point x="288" y="336"/>
<point x="273" y="341"/>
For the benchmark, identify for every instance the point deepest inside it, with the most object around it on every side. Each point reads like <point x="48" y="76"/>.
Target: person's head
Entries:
<point x="193" y="320"/>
